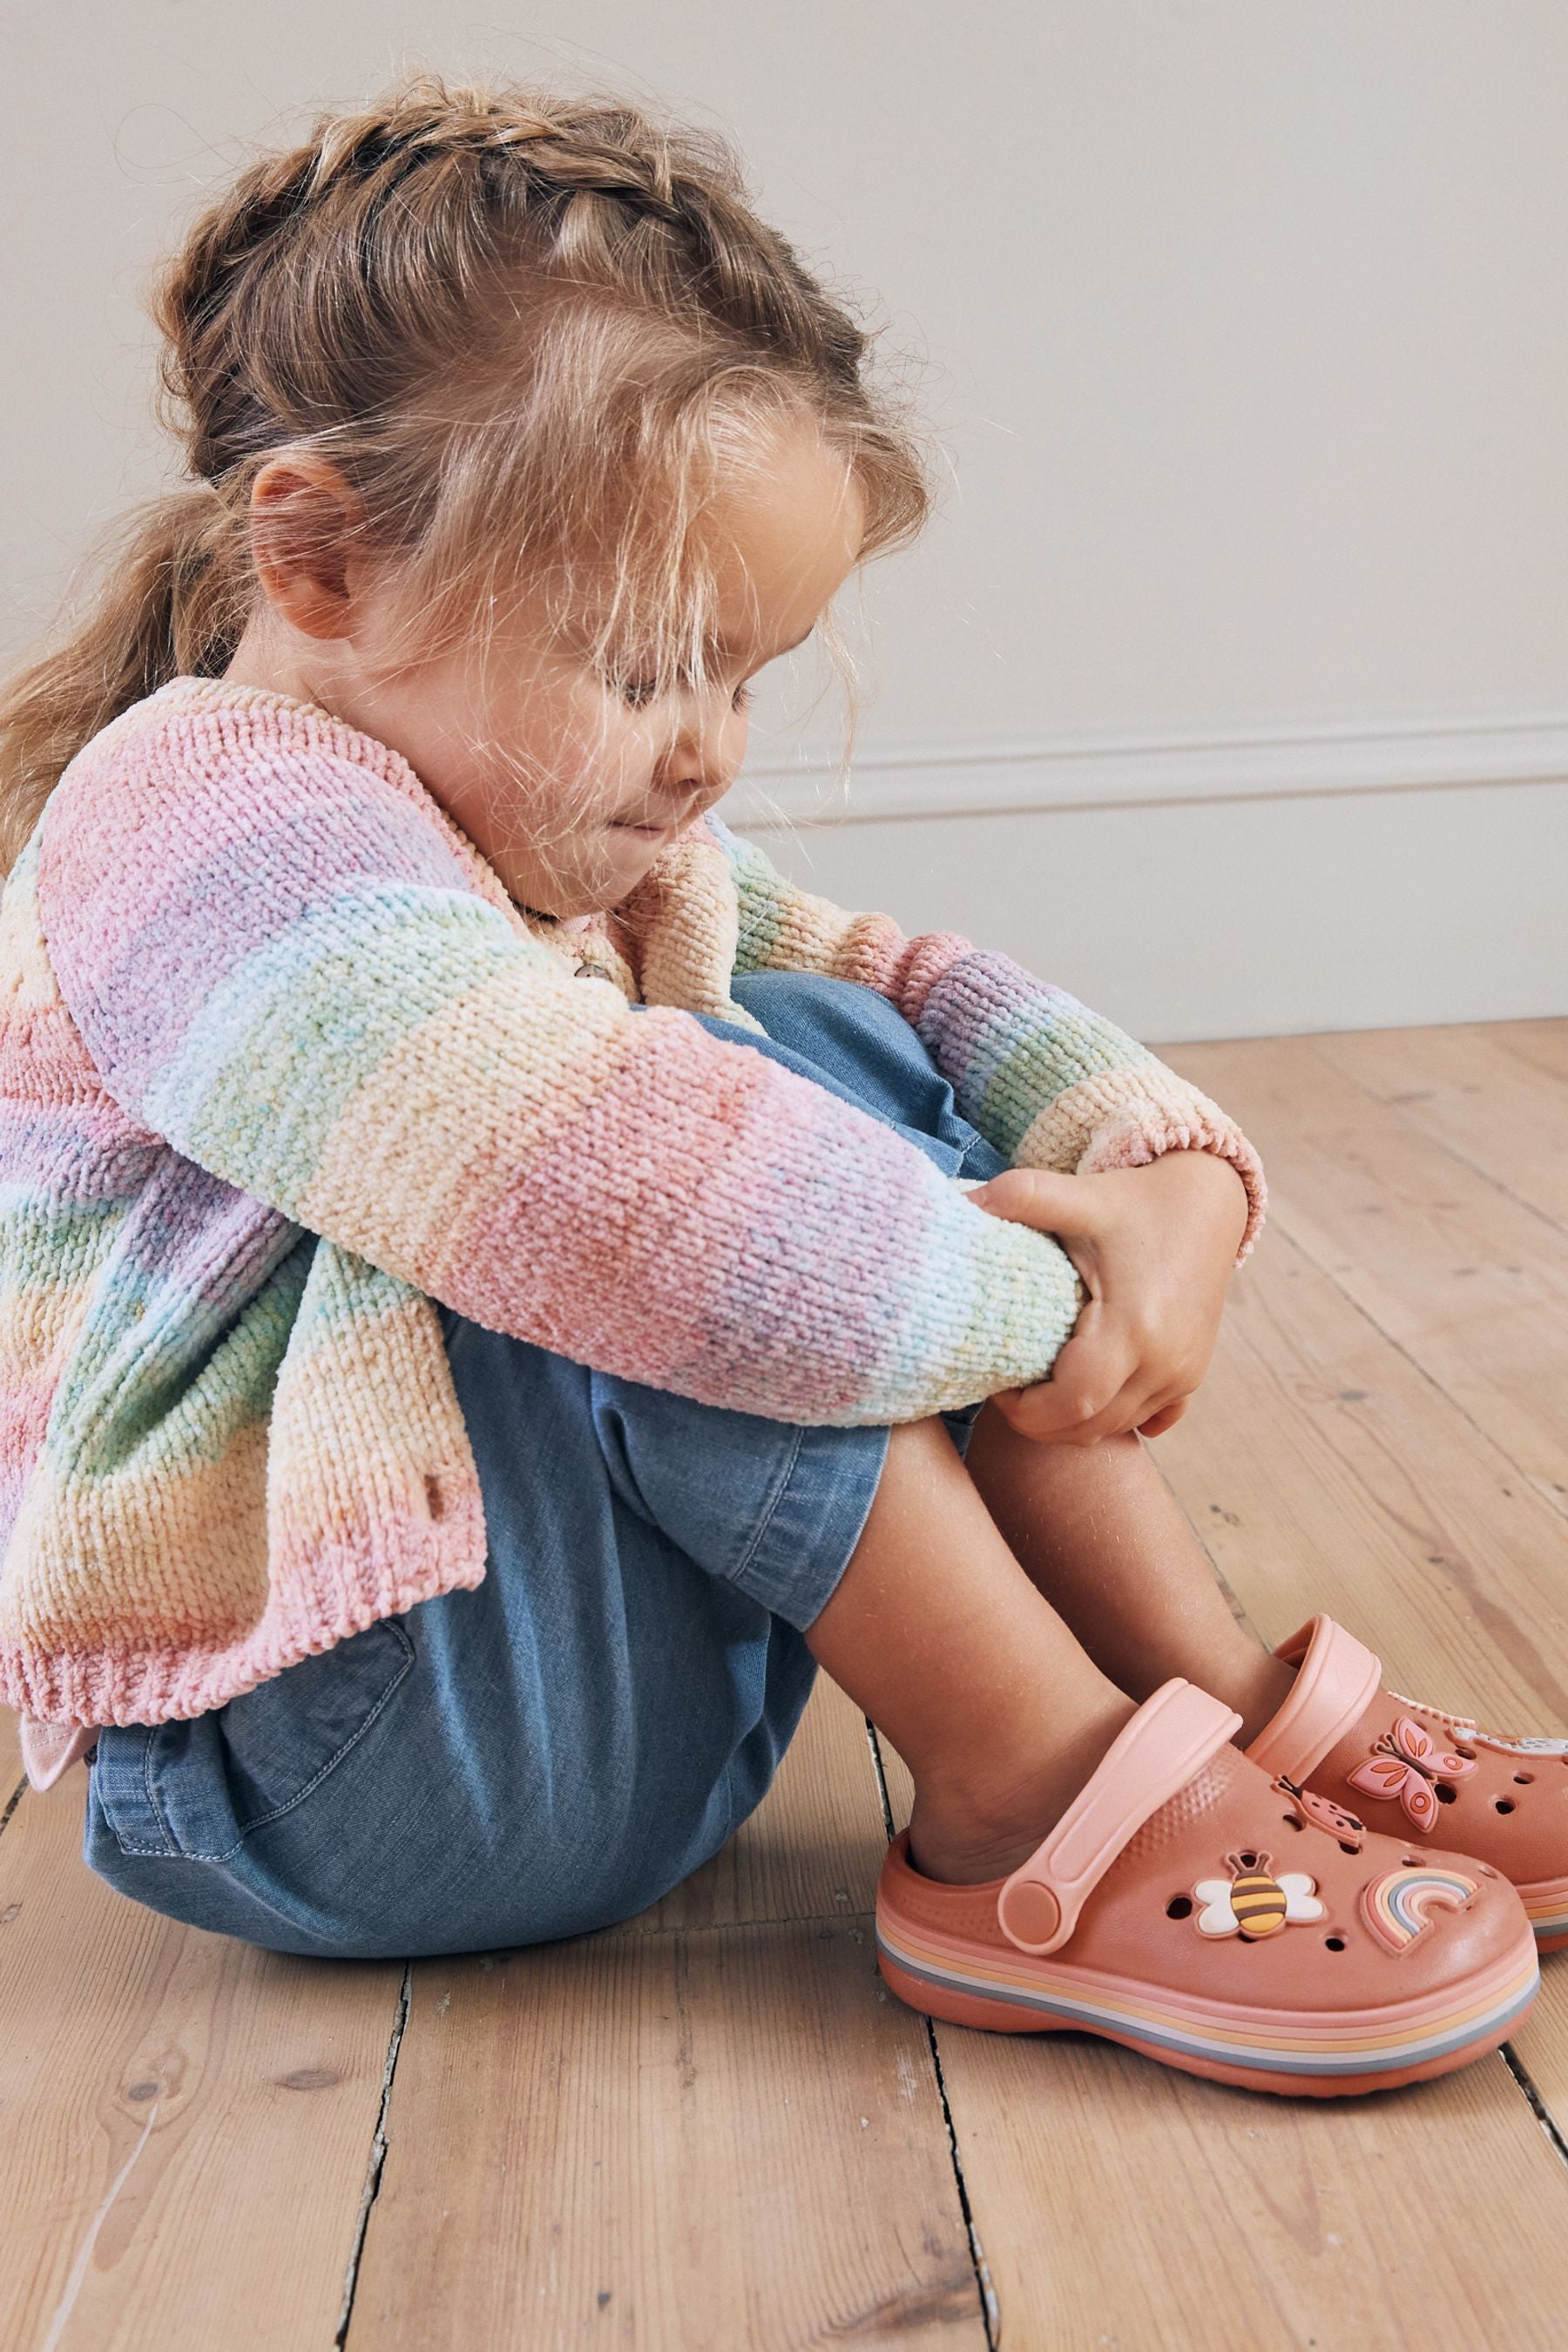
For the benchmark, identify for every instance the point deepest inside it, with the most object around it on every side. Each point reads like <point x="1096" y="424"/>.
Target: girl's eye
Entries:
<point x="639" y="692"/>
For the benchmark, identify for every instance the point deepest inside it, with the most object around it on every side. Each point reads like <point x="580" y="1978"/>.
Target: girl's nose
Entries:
<point x="704" y="759"/>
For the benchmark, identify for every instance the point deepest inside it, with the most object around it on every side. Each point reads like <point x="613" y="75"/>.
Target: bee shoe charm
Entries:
<point x="1420" y="1774"/>
<point x="1189" y="1906"/>
<point x="1251" y="1903"/>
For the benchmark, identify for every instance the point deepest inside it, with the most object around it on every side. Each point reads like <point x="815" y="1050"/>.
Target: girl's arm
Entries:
<point x="279" y="962"/>
<point x="1050" y="1084"/>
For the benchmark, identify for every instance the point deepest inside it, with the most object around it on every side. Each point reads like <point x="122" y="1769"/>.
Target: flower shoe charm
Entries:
<point x="1251" y="1903"/>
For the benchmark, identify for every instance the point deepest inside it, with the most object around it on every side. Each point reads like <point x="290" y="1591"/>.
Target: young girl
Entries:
<point x="496" y="1285"/>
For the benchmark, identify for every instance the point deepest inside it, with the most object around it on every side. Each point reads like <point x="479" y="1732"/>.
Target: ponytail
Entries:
<point x="166" y="605"/>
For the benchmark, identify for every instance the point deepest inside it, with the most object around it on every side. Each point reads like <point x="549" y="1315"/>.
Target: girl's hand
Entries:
<point x="1154" y="1247"/>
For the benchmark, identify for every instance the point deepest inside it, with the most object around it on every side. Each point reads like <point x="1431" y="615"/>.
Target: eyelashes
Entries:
<point x="637" y="693"/>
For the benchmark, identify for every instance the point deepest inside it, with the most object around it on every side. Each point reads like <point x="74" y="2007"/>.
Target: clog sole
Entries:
<point x="1547" y="1904"/>
<point x="1328" y="2056"/>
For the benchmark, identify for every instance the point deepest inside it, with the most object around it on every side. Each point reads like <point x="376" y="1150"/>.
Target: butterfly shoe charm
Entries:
<point x="1409" y="1765"/>
<point x="1467" y="1795"/>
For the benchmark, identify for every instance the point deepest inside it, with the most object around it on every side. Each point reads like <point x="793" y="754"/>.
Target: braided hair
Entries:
<point x="532" y="333"/>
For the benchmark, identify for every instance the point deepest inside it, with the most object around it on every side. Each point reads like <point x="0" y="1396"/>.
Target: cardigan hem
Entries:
<point x="149" y="1684"/>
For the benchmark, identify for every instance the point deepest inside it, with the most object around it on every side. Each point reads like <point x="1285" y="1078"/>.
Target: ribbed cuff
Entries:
<point x="1133" y="1143"/>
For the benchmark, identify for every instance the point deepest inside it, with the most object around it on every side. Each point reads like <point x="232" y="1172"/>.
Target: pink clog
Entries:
<point x="1191" y="1907"/>
<point x="1422" y="1774"/>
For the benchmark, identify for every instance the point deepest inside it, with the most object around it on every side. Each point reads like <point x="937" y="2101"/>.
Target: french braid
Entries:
<point x="522" y="326"/>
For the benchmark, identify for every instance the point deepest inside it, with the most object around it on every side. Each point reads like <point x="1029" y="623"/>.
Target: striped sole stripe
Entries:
<point x="1435" y="2037"/>
<point x="1547" y="1904"/>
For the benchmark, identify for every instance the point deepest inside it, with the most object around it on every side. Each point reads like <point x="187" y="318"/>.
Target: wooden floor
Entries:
<point x="712" y="2130"/>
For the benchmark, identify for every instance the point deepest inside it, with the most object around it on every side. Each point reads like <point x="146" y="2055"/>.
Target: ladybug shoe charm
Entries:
<point x="1412" y="1771"/>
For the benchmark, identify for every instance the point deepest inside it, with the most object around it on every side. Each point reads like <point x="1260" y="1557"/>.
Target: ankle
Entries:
<point x="1258" y="1691"/>
<point x="980" y="1822"/>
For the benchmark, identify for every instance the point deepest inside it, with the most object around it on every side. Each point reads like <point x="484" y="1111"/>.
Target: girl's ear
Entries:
<point x="304" y="520"/>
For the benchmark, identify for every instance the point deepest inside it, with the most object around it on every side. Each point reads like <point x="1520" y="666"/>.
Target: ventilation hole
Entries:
<point x="1502" y="1805"/>
<point x="1523" y="1780"/>
<point x="1334" y="1943"/>
<point x="1179" y="1906"/>
<point x="1410" y="1862"/>
<point x="1446" y="1791"/>
<point x="1345" y="1847"/>
<point x="1292" y="1822"/>
<point x="1460" y="1749"/>
<point x="1486" y="1870"/>
<point x="1248" y="1859"/>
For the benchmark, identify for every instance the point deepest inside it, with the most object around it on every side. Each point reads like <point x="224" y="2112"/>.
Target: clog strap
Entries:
<point x="1170" y="1739"/>
<point x="1337" y="1678"/>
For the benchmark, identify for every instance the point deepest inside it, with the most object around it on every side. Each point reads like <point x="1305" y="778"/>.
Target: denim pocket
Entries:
<point x="197" y="1790"/>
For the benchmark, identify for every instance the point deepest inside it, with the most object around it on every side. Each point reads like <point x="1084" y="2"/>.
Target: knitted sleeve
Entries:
<point x="279" y="964"/>
<point x="1048" y="1083"/>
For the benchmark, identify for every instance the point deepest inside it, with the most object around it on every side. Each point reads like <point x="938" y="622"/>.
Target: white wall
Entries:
<point x="1244" y="325"/>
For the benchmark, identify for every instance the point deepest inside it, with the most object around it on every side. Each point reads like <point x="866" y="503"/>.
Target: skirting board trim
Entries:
<point x="1149" y="770"/>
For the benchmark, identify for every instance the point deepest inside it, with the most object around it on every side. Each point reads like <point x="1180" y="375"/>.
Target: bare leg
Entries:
<point x="1096" y="1530"/>
<point x="937" y="1632"/>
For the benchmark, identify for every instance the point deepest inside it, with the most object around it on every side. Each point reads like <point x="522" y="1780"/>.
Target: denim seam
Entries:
<point x="171" y="1844"/>
<point x="775" y="1499"/>
<point x="731" y="1804"/>
<point x="176" y="1852"/>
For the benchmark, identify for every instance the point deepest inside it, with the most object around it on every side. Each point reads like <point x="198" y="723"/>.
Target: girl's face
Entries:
<point x="569" y="781"/>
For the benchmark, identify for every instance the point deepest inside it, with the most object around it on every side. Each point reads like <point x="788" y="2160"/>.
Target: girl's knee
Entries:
<point x="806" y="989"/>
<point x="806" y="1010"/>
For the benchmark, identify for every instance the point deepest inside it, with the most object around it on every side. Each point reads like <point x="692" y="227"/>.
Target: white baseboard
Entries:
<point x="1376" y="888"/>
<point x="1144" y="772"/>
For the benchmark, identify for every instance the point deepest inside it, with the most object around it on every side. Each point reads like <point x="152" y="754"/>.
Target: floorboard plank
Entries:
<point x="187" y="2120"/>
<point x="1542" y="1043"/>
<point x="1323" y="1471"/>
<point x="669" y="2115"/>
<point x="688" y="2142"/>
<point x="1466" y="1280"/>
<point x="1506" y="1117"/>
<point x="1119" y="2212"/>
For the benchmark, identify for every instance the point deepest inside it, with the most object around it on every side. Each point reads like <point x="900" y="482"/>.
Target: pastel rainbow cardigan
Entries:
<point x="281" y="1065"/>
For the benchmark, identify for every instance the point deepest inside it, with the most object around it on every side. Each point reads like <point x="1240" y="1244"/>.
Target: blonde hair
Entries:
<point x="534" y="334"/>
